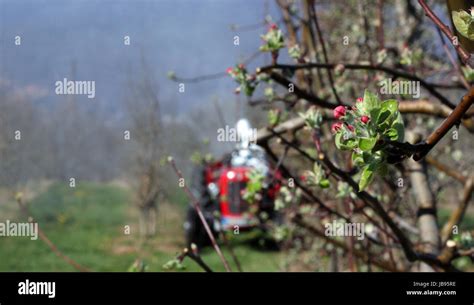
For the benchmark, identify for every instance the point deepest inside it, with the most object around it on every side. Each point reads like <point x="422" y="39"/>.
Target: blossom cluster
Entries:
<point x="366" y="129"/>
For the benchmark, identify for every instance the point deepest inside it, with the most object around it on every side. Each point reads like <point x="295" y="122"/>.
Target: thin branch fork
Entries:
<point x="458" y="213"/>
<point x="194" y="255"/>
<point x="286" y="172"/>
<point x="376" y="206"/>
<point x="366" y="197"/>
<point x="303" y="153"/>
<point x="231" y="251"/>
<point x="51" y="245"/>
<point x="407" y="247"/>
<point x="464" y="55"/>
<point x="371" y="201"/>
<point x="396" y="73"/>
<point x="300" y="92"/>
<point x="360" y="254"/>
<point x="197" y="207"/>
<point x="314" y="16"/>
<point x="456" y="66"/>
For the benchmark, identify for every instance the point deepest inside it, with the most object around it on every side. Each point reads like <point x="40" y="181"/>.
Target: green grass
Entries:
<point x="86" y="223"/>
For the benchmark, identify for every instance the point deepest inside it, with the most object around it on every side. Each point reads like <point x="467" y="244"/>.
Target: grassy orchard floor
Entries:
<point x="87" y="224"/>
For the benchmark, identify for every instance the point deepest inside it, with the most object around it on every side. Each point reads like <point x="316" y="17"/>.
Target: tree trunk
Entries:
<point x="142" y="221"/>
<point x="152" y="215"/>
<point x="427" y="221"/>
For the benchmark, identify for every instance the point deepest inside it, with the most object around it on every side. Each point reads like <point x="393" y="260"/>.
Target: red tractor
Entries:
<point x="220" y="187"/>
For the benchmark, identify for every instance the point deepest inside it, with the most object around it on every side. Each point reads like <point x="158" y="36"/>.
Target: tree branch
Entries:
<point x="194" y="255"/>
<point x="453" y="119"/>
<point x="197" y="207"/>
<point x="397" y="73"/>
<point x="51" y="245"/>
<point x="457" y="215"/>
<point x="358" y="253"/>
<point x="323" y="47"/>
<point x="464" y="55"/>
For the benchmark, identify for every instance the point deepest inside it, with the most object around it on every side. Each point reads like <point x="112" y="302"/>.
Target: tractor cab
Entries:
<point x="220" y="186"/>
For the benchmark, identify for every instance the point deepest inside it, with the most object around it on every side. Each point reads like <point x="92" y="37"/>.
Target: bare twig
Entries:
<point x="277" y="77"/>
<point x="286" y="172"/>
<point x="197" y="207"/>
<point x="358" y="253"/>
<point x="464" y="55"/>
<point x="455" y="64"/>
<point x="371" y="201"/>
<point x="212" y="76"/>
<point x="446" y="169"/>
<point x="194" y="255"/>
<point x="366" y="197"/>
<point x="48" y="242"/>
<point x="231" y="251"/>
<point x="457" y="215"/>
<point x="388" y="70"/>
<point x="312" y="9"/>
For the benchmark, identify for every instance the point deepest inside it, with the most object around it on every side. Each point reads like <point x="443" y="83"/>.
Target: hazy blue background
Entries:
<point x="190" y="37"/>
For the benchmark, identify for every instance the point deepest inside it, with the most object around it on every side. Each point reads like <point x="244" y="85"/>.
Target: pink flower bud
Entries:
<point x="364" y="119"/>
<point x="229" y="70"/>
<point x="339" y="111"/>
<point x="350" y="127"/>
<point x="273" y="26"/>
<point x="360" y="100"/>
<point x="336" y="127"/>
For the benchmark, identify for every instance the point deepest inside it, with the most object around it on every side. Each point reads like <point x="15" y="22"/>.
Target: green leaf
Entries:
<point x="294" y="52"/>
<point x="345" y="144"/>
<point x="366" y="144"/>
<point x="390" y="105"/>
<point x="273" y="117"/>
<point x="399" y="127"/>
<point x="464" y="23"/>
<point x="369" y="103"/>
<point x="387" y="111"/>
<point x="357" y="159"/>
<point x="338" y="139"/>
<point x="392" y="133"/>
<point x="324" y="183"/>
<point x="383" y="116"/>
<point x="468" y="73"/>
<point x="349" y="144"/>
<point x="374" y="114"/>
<point x="366" y="177"/>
